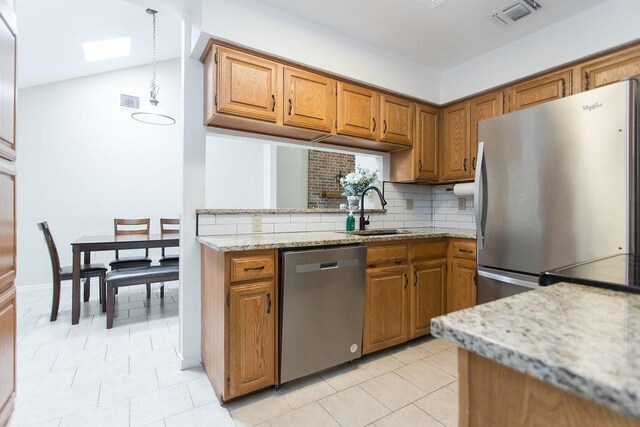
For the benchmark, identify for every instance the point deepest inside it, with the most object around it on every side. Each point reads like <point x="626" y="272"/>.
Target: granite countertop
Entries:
<point x="246" y="242"/>
<point x="207" y="211"/>
<point x="581" y="339"/>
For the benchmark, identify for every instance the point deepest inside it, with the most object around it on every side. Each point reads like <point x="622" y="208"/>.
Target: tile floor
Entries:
<point x="84" y="375"/>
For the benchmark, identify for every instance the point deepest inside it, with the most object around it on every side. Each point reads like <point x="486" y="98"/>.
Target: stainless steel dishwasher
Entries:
<point x="322" y="309"/>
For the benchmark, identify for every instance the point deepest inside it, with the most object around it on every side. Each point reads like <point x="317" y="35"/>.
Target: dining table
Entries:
<point x="88" y="244"/>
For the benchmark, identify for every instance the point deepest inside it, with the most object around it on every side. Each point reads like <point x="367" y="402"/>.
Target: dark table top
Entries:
<point x="129" y="241"/>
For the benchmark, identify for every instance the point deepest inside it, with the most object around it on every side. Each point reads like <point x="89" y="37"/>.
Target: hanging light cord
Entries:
<point x="153" y="88"/>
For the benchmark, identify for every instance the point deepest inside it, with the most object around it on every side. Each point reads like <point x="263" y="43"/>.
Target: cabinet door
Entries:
<point x="385" y="313"/>
<point x="251" y="337"/>
<point x="7" y="85"/>
<point x="397" y="120"/>
<point x="309" y="100"/>
<point x="427" y="295"/>
<point x="248" y="86"/>
<point x="540" y="90"/>
<point x="7" y="353"/>
<point x="461" y="286"/>
<point x="482" y="108"/>
<point x="455" y="143"/>
<point x="611" y="68"/>
<point x="425" y="145"/>
<point x="8" y="229"/>
<point x="357" y="111"/>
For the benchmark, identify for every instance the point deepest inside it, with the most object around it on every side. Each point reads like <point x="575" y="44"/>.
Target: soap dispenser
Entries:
<point x="351" y="222"/>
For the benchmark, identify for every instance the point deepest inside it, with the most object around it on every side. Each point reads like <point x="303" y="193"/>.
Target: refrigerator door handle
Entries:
<point x="504" y="277"/>
<point x="479" y="192"/>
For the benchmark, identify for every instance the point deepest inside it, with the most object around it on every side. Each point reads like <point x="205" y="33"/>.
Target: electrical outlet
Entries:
<point x="256" y="224"/>
<point x="462" y="203"/>
<point x="409" y="206"/>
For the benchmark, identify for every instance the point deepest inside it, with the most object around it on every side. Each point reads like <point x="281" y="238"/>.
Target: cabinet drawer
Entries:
<point x="252" y="267"/>
<point x="463" y="249"/>
<point x="387" y="254"/>
<point x="436" y="248"/>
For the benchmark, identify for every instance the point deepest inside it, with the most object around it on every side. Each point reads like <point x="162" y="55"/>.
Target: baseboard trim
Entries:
<point x="191" y="362"/>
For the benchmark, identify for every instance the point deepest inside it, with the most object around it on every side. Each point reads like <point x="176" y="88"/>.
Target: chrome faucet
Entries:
<point x="365" y="222"/>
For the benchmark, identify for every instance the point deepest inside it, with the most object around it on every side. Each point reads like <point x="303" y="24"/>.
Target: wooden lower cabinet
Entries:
<point x="427" y="294"/>
<point x="239" y="321"/>
<point x="251" y="337"/>
<point x="7" y="353"/>
<point x="385" y="310"/>
<point x="461" y="286"/>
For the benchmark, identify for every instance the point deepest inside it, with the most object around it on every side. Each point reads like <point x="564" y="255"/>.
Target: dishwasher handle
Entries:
<point x="329" y="265"/>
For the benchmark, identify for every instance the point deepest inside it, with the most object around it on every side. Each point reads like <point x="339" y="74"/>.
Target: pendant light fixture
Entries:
<point x="153" y="114"/>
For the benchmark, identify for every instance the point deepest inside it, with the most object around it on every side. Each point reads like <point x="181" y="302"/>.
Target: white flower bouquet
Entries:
<point x="355" y="182"/>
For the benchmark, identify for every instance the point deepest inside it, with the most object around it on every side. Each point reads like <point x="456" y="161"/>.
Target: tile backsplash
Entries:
<point x="432" y="207"/>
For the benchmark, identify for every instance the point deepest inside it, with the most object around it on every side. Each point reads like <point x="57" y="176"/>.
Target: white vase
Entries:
<point x="354" y="202"/>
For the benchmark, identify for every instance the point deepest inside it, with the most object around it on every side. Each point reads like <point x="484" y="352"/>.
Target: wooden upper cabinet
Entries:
<point x="455" y="149"/>
<point x="610" y="68"/>
<point x="482" y="108"/>
<point x="540" y="90"/>
<point x="8" y="230"/>
<point x="7" y="85"/>
<point x="396" y="115"/>
<point x="427" y="294"/>
<point x="252" y="363"/>
<point x="248" y="86"/>
<point x="385" y="313"/>
<point x="425" y="144"/>
<point x="358" y="109"/>
<point x="309" y="100"/>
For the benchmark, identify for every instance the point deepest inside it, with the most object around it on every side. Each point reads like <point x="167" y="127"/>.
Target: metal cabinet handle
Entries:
<point x="268" y="303"/>
<point x="374" y="124"/>
<point x="464" y="164"/>
<point x="466" y="251"/>
<point x="406" y="281"/>
<point x="473" y="163"/>
<point x="273" y="103"/>
<point x="384" y="126"/>
<point x="415" y="275"/>
<point x="290" y="105"/>
<point x="419" y="165"/>
<point x="254" y="268"/>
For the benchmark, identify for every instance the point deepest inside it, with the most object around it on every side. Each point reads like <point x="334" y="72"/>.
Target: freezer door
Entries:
<point x="552" y="186"/>
<point x="496" y="284"/>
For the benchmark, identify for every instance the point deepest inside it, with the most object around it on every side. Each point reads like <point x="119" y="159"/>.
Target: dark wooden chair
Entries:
<point x="66" y="273"/>
<point x="135" y="276"/>
<point x="169" y="226"/>
<point x="123" y="227"/>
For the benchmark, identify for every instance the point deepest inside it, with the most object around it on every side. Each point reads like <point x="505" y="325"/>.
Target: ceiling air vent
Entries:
<point x="514" y="12"/>
<point x="129" y="101"/>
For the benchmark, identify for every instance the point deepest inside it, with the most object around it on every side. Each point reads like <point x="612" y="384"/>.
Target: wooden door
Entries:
<point x="386" y="307"/>
<point x="461" y="287"/>
<point x="358" y="109"/>
<point x="309" y="100"/>
<point x="482" y="108"/>
<point x="427" y="295"/>
<point x="397" y="120"/>
<point x="426" y="144"/>
<point x="251" y="337"/>
<point x="248" y="86"/>
<point x="455" y="149"/>
<point x="7" y="212"/>
<point x="540" y="90"/>
<point x="610" y="69"/>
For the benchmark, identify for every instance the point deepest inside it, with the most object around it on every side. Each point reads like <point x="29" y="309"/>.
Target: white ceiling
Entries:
<point x="440" y="38"/>
<point x="51" y="33"/>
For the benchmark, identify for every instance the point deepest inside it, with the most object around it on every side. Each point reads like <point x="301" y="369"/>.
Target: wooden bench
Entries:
<point x="135" y="276"/>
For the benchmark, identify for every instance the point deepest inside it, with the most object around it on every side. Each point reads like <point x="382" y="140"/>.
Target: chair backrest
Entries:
<point x="123" y="227"/>
<point x="53" y="251"/>
<point x="169" y="226"/>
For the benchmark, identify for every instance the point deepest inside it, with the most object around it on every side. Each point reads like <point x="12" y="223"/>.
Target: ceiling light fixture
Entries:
<point x="106" y="49"/>
<point x="153" y="115"/>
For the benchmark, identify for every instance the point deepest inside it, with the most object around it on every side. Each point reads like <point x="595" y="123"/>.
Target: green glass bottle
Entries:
<point x="351" y="222"/>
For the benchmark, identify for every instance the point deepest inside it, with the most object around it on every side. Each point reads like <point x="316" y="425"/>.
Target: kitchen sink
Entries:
<point x="377" y="232"/>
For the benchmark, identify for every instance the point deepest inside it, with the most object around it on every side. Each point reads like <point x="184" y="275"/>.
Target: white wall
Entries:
<point x="263" y="27"/>
<point x="83" y="161"/>
<point x="599" y="28"/>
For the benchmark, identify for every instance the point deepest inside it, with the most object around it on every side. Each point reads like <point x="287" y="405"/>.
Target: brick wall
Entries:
<point x="324" y="167"/>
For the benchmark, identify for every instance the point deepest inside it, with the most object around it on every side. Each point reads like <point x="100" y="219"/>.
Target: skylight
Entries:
<point x="107" y="49"/>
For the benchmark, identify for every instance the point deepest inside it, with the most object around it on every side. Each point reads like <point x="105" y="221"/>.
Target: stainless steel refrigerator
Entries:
<point x="556" y="185"/>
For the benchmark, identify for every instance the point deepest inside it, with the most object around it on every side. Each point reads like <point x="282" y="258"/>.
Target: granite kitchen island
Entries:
<point x="564" y="355"/>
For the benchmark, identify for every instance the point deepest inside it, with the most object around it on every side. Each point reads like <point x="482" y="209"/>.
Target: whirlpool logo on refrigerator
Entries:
<point x="592" y="107"/>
